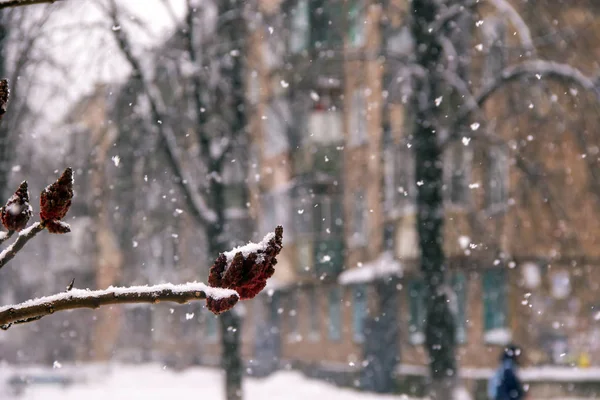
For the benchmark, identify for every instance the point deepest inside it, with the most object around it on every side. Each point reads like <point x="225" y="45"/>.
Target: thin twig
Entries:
<point x="24" y="236"/>
<point x="33" y="310"/>
<point x="4" y="236"/>
<point x="20" y="3"/>
<point x="534" y="68"/>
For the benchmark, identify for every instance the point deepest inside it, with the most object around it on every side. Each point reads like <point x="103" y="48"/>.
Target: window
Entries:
<point x="210" y="321"/>
<point x="459" y="286"/>
<point x="497" y="182"/>
<point x="268" y="217"/>
<point x="416" y="301"/>
<point x="300" y="28"/>
<point x="292" y="312"/>
<point x="359" y="218"/>
<point x="389" y="236"/>
<point x="358" y="118"/>
<point x="325" y="126"/>
<point x="319" y="215"/>
<point x="357" y="23"/>
<point x="359" y="312"/>
<point x="305" y="256"/>
<point x="458" y="173"/>
<point x="325" y="24"/>
<point x="277" y="120"/>
<point x="276" y="211"/>
<point x="399" y="177"/>
<point x="494" y="305"/>
<point x="335" y="314"/>
<point x="313" y="301"/>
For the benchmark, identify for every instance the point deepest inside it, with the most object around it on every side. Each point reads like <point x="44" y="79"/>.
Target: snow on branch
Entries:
<point x="24" y="236"/>
<point x="33" y="310"/>
<point x="239" y="274"/>
<point x="55" y="201"/>
<point x="534" y="68"/>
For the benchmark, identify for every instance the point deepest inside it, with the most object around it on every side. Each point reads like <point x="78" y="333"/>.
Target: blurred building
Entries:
<point x="331" y="161"/>
<point x="328" y="83"/>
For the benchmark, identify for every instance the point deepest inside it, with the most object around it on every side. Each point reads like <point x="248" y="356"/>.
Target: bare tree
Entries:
<point x="437" y="29"/>
<point x="219" y="122"/>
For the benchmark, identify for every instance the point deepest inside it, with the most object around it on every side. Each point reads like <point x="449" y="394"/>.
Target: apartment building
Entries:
<point x="331" y="161"/>
<point x="332" y="128"/>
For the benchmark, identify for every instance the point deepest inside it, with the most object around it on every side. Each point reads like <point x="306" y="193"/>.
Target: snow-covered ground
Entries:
<point x="151" y="382"/>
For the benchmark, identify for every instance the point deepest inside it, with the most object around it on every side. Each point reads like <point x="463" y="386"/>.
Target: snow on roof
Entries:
<point x="498" y="336"/>
<point x="383" y="266"/>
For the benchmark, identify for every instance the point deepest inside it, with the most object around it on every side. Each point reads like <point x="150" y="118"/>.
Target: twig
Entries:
<point x="33" y="310"/>
<point x="20" y="3"/>
<point x="4" y="236"/>
<point x="538" y="68"/>
<point x="504" y="7"/>
<point x="24" y="236"/>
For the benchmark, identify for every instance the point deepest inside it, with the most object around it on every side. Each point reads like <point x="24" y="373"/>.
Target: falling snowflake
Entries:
<point x="116" y="160"/>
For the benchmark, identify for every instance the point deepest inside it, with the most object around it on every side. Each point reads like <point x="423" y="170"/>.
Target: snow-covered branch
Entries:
<point x="24" y="236"/>
<point x="239" y="274"/>
<point x="533" y="68"/>
<point x="196" y="204"/>
<point x="55" y="201"/>
<point x="33" y="310"/>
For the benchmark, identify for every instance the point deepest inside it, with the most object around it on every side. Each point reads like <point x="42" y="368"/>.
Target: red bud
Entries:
<point x="17" y="211"/>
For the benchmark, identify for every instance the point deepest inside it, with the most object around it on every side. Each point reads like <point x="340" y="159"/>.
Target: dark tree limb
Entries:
<point x="20" y="3"/>
<point x="534" y="68"/>
<point x="33" y="310"/>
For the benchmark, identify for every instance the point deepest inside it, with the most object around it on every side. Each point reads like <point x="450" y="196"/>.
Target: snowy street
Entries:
<point x="151" y="382"/>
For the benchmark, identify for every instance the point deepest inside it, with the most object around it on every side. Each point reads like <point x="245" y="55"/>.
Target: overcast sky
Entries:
<point x="89" y="51"/>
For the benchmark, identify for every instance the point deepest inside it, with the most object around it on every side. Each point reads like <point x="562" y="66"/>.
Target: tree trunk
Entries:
<point x="439" y="327"/>
<point x="231" y="360"/>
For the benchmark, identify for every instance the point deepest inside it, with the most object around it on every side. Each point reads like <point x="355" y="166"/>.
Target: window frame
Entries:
<point x="495" y="299"/>
<point x="417" y="311"/>
<point x="334" y="305"/>
<point x="360" y="311"/>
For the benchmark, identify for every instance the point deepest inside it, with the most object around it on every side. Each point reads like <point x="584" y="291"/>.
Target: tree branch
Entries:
<point x="33" y="310"/>
<point x="24" y="236"/>
<point x="504" y="7"/>
<point x="538" y="68"/>
<point x="195" y="202"/>
<point x="19" y="3"/>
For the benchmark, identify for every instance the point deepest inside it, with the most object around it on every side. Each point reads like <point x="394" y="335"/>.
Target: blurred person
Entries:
<point x="505" y="384"/>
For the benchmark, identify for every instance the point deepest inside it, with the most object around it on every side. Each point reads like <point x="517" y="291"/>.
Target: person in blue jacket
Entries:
<point x="505" y="384"/>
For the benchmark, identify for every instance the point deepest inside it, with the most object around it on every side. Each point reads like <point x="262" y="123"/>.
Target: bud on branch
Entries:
<point x="17" y="211"/>
<point x="245" y="269"/>
<point x="55" y="202"/>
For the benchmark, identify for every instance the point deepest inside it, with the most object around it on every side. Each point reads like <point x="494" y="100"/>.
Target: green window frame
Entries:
<point x="495" y="315"/>
<point x="335" y="314"/>
<point x="459" y="285"/>
<point x="416" y="301"/>
<point x="359" y="311"/>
